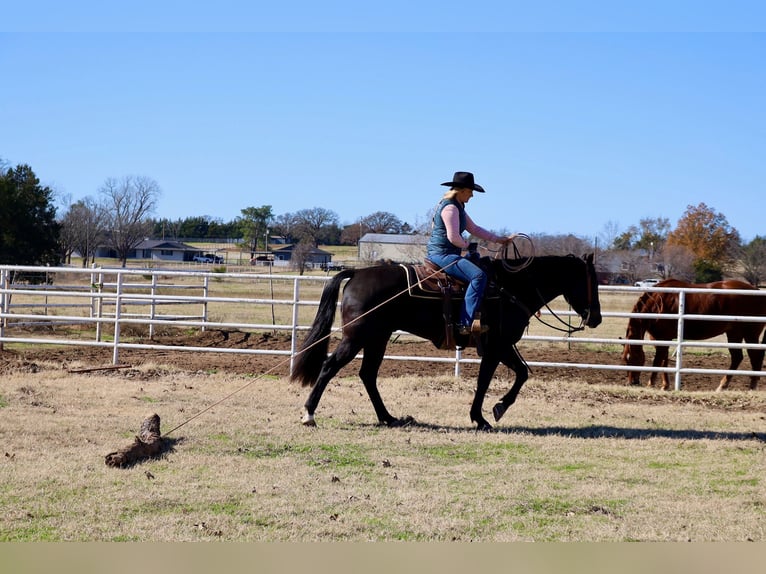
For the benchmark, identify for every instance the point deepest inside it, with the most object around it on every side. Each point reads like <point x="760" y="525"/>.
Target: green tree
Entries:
<point x="29" y="232"/>
<point x="254" y="224"/>
<point x="195" y="227"/>
<point x="653" y="234"/>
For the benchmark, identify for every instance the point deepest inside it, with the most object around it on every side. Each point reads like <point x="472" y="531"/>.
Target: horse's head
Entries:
<point x="582" y="294"/>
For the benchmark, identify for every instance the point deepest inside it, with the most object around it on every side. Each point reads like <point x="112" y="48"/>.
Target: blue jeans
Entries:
<point x="471" y="274"/>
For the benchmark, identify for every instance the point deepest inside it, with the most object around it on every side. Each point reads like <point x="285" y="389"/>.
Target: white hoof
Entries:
<point x="308" y="419"/>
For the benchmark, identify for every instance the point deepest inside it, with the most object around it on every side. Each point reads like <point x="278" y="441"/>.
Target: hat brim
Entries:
<point x="476" y="186"/>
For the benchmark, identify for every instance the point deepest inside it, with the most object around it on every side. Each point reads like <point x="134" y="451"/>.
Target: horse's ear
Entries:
<point x="588" y="257"/>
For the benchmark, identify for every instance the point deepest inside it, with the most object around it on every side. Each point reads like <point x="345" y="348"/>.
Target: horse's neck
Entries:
<point x="540" y="282"/>
<point x="549" y="279"/>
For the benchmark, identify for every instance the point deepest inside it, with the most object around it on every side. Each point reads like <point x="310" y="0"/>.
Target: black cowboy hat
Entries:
<point x="464" y="179"/>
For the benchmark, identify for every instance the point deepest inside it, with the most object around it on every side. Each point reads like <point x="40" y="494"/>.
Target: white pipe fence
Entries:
<point x="111" y="292"/>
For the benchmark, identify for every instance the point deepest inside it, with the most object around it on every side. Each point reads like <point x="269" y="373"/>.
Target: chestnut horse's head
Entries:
<point x="633" y="353"/>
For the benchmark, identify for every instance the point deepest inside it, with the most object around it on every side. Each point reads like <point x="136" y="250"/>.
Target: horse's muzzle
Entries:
<point x="590" y="319"/>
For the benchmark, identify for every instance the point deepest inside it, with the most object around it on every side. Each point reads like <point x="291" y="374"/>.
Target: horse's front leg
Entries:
<point x="521" y="373"/>
<point x="486" y="370"/>
<point x="368" y="372"/>
<point x="756" y="362"/>
<point x="736" y="356"/>
<point x="660" y="360"/>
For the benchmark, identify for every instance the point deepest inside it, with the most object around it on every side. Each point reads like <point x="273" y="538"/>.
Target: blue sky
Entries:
<point x="568" y="125"/>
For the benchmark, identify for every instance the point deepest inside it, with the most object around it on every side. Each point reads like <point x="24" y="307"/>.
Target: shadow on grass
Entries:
<point x="167" y="446"/>
<point x="601" y="431"/>
<point x="627" y="433"/>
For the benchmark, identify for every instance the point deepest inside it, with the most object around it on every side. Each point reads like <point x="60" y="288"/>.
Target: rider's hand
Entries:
<point x="508" y="239"/>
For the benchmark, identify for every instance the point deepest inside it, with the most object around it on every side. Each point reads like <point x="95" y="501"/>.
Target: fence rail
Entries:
<point x="109" y="299"/>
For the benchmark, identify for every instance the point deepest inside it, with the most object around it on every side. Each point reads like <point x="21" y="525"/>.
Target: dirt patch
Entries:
<point x="66" y="357"/>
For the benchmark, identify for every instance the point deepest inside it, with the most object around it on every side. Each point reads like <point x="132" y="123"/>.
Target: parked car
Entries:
<point x="208" y="258"/>
<point x="646" y="283"/>
<point x="214" y="258"/>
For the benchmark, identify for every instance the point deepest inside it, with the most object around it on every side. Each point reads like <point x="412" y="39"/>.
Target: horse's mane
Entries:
<point x="649" y="302"/>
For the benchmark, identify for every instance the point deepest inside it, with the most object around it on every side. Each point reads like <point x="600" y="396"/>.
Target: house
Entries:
<point x="390" y="246"/>
<point x="315" y="257"/>
<point x="156" y="250"/>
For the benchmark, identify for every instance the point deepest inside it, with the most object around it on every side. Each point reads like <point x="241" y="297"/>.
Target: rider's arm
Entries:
<point x="451" y="219"/>
<point x="482" y="233"/>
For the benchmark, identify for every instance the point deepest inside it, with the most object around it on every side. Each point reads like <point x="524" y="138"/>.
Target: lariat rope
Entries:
<point x="511" y="268"/>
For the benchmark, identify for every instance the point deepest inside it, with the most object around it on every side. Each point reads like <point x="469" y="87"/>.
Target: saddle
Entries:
<point x="428" y="281"/>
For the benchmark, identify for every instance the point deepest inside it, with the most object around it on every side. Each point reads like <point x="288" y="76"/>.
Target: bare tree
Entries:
<point x="311" y="223"/>
<point x="128" y="202"/>
<point x="83" y="228"/>
<point x="753" y="259"/>
<point x="678" y="262"/>
<point x="301" y="255"/>
<point x="609" y="234"/>
<point x="382" y="222"/>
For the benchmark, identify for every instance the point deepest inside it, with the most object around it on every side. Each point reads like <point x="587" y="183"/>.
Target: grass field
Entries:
<point x="571" y="463"/>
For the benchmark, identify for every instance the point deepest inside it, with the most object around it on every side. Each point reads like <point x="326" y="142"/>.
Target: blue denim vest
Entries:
<point x="438" y="243"/>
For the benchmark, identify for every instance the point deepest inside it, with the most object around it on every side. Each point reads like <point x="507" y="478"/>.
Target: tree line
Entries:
<point x="702" y="247"/>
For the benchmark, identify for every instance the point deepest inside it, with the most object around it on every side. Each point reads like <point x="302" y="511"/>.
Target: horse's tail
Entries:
<point x="313" y="351"/>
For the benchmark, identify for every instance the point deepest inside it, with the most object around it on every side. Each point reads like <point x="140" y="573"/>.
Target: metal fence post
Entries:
<point x="294" y="332"/>
<point x="117" y="313"/>
<point x="205" y="290"/>
<point x="680" y="337"/>
<point x="4" y="303"/>
<point x="99" y="305"/>
<point x="153" y="306"/>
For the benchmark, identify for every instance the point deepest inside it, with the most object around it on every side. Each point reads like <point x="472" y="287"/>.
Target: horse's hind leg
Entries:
<point x="756" y="359"/>
<point x="334" y="363"/>
<point x="487" y="368"/>
<point x="736" y="358"/>
<point x="660" y="360"/>
<point x="513" y="361"/>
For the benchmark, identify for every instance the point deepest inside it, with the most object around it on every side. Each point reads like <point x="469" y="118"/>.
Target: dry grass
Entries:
<point x="569" y="463"/>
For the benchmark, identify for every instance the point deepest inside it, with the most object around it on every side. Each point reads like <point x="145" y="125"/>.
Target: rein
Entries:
<point x="568" y="329"/>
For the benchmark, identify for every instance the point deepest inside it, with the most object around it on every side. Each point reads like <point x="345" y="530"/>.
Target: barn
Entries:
<point x="392" y="247"/>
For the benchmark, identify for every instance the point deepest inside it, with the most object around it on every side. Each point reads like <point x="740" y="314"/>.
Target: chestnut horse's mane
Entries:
<point x="648" y="302"/>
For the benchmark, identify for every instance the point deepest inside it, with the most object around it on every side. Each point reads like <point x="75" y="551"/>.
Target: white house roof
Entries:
<point x="394" y="238"/>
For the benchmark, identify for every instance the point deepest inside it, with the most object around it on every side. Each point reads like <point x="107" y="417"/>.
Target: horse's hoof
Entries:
<point x="498" y="411"/>
<point x="402" y="422"/>
<point x="308" y="419"/>
<point x="483" y="426"/>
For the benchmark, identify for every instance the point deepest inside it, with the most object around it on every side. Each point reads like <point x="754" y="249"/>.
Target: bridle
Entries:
<point x="567" y="328"/>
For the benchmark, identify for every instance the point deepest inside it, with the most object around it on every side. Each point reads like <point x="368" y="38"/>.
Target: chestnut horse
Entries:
<point x="666" y="329"/>
<point x="376" y="303"/>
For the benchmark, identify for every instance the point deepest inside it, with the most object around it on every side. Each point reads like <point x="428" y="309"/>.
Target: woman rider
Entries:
<point x="446" y="242"/>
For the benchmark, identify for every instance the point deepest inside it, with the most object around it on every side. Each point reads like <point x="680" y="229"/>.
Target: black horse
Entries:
<point x="376" y="303"/>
